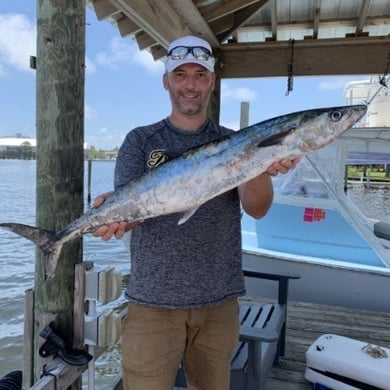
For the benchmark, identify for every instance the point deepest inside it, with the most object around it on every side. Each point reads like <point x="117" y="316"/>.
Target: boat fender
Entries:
<point x="382" y="229"/>
<point x="11" y="381"/>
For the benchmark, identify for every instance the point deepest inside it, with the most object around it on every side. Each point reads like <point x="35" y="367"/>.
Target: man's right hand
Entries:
<point x="117" y="229"/>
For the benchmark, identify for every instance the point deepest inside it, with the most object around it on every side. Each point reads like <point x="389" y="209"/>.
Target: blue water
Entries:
<point x="17" y="190"/>
<point x="17" y="255"/>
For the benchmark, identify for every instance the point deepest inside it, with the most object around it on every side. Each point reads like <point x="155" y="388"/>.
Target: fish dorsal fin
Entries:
<point x="276" y="139"/>
<point x="187" y="215"/>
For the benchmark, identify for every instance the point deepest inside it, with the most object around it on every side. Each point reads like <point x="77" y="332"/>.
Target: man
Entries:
<point x="185" y="278"/>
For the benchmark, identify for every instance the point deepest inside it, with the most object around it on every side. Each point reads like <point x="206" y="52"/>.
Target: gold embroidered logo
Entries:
<point x="156" y="157"/>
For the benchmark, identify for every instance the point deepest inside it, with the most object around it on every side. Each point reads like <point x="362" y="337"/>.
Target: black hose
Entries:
<point x="11" y="381"/>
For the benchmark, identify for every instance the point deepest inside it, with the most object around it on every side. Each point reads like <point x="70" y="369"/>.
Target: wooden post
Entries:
<point x="244" y="115"/>
<point x="215" y="100"/>
<point x="60" y="140"/>
<point x="89" y="180"/>
<point x="28" y="333"/>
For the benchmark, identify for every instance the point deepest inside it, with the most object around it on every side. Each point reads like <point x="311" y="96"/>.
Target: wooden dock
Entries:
<point x="306" y="322"/>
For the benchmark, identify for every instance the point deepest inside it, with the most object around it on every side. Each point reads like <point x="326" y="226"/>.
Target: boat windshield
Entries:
<point x="308" y="178"/>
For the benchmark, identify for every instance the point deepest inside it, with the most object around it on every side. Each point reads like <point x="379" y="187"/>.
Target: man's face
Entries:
<point x="189" y="87"/>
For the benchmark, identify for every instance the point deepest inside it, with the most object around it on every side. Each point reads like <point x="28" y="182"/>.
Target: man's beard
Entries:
<point x="189" y="109"/>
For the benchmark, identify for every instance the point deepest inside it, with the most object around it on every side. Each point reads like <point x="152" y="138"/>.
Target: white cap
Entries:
<point x="189" y="41"/>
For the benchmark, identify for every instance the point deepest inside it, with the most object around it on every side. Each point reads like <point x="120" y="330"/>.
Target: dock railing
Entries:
<point x="56" y="373"/>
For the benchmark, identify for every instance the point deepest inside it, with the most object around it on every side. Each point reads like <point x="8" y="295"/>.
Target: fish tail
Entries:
<point x="38" y="236"/>
<point x="44" y="239"/>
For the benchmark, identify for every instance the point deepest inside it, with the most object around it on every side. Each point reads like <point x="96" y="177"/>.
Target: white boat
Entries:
<point x="313" y="229"/>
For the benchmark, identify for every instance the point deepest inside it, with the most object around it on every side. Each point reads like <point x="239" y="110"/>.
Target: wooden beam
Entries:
<point x="362" y="16"/>
<point x="158" y="52"/>
<point x="364" y="55"/>
<point x="104" y="9"/>
<point x="187" y="10"/>
<point x="240" y="17"/>
<point x="308" y="24"/>
<point x="61" y="376"/>
<point x="127" y="27"/>
<point x="219" y="26"/>
<point x="156" y="17"/>
<point x="316" y="18"/>
<point x="274" y="20"/>
<point x="222" y="8"/>
<point x="144" y="41"/>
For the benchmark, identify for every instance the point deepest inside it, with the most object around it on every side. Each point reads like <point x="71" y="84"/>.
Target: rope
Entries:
<point x="46" y="372"/>
<point x="382" y="79"/>
<point x="290" y="67"/>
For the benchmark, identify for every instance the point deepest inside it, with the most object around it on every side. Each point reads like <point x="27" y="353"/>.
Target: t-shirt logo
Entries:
<point x="156" y="157"/>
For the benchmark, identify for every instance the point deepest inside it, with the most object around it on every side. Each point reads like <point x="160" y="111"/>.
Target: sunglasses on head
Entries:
<point x="198" y="52"/>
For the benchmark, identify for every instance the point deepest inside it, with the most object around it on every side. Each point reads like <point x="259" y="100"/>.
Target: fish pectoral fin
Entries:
<point x="187" y="215"/>
<point x="275" y="139"/>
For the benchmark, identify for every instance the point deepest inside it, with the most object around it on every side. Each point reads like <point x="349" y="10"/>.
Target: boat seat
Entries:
<point x="262" y="337"/>
<point x="382" y="229"/>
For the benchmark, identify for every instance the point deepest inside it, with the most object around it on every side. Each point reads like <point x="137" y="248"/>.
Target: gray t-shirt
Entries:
<point x="197" y="263"/>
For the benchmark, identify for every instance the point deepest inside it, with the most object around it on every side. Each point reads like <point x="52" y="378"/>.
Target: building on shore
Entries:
<point x="18" y="147"/>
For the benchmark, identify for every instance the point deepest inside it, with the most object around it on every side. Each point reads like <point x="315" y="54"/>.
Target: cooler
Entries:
<point x="341" y="363"/>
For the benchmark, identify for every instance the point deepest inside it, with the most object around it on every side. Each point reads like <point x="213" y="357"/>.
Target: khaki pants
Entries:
<point x="155" y="341"/>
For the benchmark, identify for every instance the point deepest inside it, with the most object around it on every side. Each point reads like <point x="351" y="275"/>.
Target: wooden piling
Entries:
<point x="28" y="336"/>
<point x="60" y="140"/>
<point x="244" y="115"/>
<point x="213" y="109"/>
<point x="89" y="181"/>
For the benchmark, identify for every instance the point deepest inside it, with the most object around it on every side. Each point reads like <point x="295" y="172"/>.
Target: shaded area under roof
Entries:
<point x="257" y="38"/>
<point x="357" y="158"/>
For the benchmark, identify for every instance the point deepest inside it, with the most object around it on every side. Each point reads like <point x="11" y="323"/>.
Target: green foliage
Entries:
<point x="378" y="172"/>
<point x="98" y="154"/>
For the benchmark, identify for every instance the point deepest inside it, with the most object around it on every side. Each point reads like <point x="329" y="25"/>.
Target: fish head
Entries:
<point x="319" y="127"/>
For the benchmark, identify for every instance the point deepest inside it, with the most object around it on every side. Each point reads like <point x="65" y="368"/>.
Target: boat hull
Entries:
<point x="332" y="283"/>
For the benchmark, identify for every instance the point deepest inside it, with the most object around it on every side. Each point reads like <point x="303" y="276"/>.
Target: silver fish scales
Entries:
<point x="185" y="183"/>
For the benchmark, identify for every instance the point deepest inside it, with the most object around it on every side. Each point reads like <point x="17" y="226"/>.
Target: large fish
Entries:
<point x="183" y="184"/>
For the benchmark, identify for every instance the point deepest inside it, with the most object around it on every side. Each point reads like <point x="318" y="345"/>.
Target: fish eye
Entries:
<point x="336" y="115"/>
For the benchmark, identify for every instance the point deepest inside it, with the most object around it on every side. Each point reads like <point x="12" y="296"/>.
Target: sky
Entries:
<point x="123" y="85"/>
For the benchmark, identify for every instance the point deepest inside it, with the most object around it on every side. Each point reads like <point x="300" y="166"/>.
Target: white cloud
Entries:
<point x="335" y="83"/>
<point x="89" y="112"/>
<point x="122" y="51"/>
<point x="2" y="70"/>
<point x="119" y="52"/>
<point x="106" y="139"/>
<point x="145" y="59"/>
<point x="17" y="42"/>
<point x="90" y="67"/>
<point x="241" y="93"/>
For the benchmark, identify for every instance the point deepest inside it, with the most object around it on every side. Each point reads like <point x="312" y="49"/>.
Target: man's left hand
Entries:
<point x="283" y="166"/>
